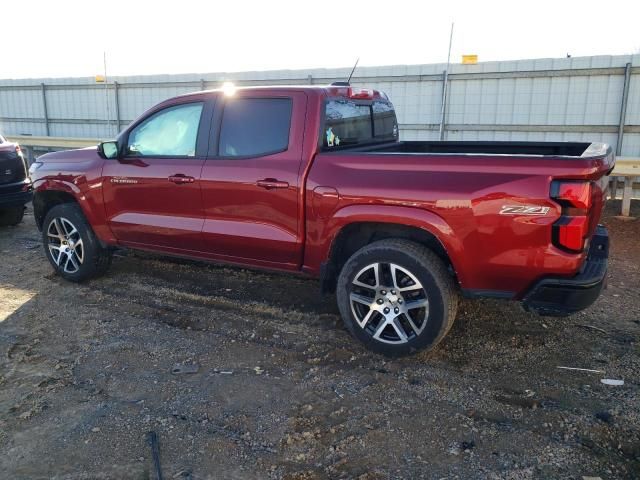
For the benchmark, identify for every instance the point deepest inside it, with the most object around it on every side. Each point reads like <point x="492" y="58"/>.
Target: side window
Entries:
<point x="255" y="126"/>
<point x="169" y="132"/>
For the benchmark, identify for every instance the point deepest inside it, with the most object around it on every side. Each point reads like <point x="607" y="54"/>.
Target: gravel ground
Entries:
<point x="246" y="374"/>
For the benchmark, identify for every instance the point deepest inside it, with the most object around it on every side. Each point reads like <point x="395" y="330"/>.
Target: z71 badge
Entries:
<point x="523" y="210"/>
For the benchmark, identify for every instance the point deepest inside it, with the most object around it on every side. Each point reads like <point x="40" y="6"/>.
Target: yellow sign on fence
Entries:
<point x="469" y="59"/>
<point x="99" y="78"/>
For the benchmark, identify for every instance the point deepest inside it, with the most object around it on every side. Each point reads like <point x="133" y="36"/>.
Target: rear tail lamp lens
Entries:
<point x="572" y="228"/>
<point x="575" y="194"/>
<point x="571" y="232"/>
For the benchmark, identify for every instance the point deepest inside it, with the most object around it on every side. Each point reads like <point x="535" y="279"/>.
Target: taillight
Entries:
<point x="572" y="228"/>
<point x="575" y="194"/>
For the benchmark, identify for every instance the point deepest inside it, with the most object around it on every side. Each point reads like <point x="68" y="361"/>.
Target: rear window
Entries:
<point x="255" y="126"/>
<point x="349" y="123"/>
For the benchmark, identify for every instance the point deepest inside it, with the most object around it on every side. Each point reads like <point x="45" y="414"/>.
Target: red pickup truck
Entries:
<point x="314" y="180"/>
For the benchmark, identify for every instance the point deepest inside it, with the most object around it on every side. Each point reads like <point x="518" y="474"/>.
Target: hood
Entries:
<point x="66" y="156"/>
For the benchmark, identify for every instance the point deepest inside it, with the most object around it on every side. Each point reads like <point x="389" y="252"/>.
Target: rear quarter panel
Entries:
<point x="458" y="198"/>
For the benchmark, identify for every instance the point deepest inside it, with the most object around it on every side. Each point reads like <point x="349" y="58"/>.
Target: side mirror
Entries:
<point x="108" y="150"/>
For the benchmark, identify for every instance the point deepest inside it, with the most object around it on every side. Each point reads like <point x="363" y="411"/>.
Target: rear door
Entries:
<point x="251" y="182"/>
<point x="152" y="193"/>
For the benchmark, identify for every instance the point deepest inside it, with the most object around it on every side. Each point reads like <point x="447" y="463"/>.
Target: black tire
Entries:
<point x="407" y="259"/>
<point x="95" y="258"/>
<point x="11" y="216"/>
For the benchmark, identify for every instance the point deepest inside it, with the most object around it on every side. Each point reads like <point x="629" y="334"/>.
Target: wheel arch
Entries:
<point x="364" y="225"/>
<point x="45" y="200"/>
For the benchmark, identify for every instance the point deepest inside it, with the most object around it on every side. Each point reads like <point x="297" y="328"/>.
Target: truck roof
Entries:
<point x="345" y="90"/>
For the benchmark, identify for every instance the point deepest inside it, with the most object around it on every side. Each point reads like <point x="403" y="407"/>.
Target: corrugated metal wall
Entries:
<point x="545" y="99"/>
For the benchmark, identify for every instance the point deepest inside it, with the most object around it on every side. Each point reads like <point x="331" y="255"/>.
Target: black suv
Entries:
<point x="15" y="185"/>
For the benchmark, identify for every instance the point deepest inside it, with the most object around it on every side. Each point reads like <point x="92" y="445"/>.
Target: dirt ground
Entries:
<point x="246" y="374"/>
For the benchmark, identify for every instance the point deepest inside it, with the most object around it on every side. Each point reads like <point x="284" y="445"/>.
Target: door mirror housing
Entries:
<point x="108" y="150"/>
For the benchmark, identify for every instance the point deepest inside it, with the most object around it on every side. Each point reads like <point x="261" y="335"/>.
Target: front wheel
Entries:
<point x="397" y="297"/>
<point x="71" y="246"/>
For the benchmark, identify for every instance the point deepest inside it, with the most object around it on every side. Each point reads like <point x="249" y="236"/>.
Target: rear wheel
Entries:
<point x="397" y="297"/>
<point x="11" y="216"/>
<point x="71" y="246"/>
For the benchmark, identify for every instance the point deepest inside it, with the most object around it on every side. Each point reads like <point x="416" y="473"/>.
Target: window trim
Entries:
<point x="219" y="117"/>
<point x="203" y="124"/>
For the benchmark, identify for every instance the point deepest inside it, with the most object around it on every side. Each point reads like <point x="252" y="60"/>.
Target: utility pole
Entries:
<point x="106" y="93"/>
<point x="445" y="82"/>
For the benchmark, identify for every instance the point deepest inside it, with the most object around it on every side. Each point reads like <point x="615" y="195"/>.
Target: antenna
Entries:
<point x="353" y="70"/>
<point x="347" y="83"/>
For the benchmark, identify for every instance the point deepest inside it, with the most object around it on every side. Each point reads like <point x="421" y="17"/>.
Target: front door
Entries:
<point x="251" y="182"/>
<point x="152" y="193"/>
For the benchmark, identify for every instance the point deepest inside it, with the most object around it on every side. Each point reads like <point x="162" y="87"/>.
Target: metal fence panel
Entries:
<point x="21" y="103"/>
<point x="633" y="103"/>
<point x="541" y="99"/>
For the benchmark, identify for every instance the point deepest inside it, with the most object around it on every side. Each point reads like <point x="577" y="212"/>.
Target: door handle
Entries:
<point x="270" y="183"/>
<point x="180" y="178"/>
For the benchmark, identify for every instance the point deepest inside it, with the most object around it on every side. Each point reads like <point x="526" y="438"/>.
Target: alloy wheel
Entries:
<point x="65" y="245"/>
<point x="389" y="303"/>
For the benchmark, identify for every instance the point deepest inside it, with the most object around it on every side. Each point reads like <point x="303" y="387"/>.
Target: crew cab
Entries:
<point x="15" y="184"/>
<point x="314" y="180"/>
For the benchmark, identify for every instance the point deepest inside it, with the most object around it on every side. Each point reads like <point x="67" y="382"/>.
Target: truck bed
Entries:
<point x="466" y="186"/>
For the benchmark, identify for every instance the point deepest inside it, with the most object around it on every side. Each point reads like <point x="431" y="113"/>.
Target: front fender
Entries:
<point x="323" y="234"/>
<point x="89" y="200"/>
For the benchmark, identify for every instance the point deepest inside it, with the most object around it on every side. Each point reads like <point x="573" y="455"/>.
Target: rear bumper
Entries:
<point x="15" y="195"/>
<point x="554" y="296"/>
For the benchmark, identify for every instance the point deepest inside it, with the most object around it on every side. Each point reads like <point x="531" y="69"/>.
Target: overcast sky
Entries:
<point x="68" y="37"/>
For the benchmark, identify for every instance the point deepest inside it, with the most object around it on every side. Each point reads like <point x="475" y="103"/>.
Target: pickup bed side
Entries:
<point x="458" y="200"/>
